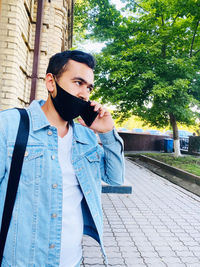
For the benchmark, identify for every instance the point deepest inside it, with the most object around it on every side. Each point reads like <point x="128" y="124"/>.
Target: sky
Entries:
<point x="118" y="3"/>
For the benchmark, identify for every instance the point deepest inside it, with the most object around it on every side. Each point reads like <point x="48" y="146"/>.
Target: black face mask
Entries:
<point x="70" y="107"/>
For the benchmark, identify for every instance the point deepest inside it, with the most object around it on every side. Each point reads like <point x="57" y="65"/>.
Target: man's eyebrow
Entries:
<point x="82" y="80"/>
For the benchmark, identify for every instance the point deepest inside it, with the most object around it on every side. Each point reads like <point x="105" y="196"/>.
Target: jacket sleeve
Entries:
<point x="3" y="153"/>
<point x="112" y="158"/>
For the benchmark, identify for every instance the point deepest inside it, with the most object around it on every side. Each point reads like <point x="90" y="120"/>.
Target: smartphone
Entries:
<point x="88" y="114"/>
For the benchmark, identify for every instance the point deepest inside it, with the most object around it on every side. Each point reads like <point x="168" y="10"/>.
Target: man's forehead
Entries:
<point x="71" y="64"/>
<point x="77" y="69"/>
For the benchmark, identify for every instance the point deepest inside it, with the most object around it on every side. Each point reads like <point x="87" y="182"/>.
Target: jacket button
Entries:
<point x="52" y="246"/>
<point x="53" y="215"/>
<point x="26" y="153"/>
<point x="53" y="157"/>
<point x="49" y="132"/>
<point x="54" y="186"/>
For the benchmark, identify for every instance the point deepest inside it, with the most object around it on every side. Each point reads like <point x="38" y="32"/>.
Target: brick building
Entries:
<point x="19" y="49"/>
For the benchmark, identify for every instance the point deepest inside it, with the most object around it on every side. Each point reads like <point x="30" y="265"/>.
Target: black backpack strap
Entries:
<point x="14" y="177"/>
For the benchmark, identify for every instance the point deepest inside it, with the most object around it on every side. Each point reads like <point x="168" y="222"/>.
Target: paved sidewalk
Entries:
<point x="158" y="225"/>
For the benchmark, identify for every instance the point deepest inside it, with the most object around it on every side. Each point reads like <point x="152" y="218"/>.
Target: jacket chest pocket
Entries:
<point x="93" y="159"/>
<point x="32" y="164"/>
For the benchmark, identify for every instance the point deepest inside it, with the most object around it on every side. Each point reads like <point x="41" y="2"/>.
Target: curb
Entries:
<point x="186" y="180"/>
<point x="176" y="171"/>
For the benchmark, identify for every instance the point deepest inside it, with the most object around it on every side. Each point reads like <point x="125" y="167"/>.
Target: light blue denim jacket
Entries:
<point x="34" y="236"/>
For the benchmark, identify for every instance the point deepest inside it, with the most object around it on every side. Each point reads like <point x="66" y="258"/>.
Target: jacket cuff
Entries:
<point x="109" y="137"/>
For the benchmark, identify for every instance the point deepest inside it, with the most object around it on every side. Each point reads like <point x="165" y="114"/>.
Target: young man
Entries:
<point x="59" y="194"/>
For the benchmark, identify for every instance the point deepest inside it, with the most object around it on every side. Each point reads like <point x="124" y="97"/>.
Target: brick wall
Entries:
<point x="17" y="35"/>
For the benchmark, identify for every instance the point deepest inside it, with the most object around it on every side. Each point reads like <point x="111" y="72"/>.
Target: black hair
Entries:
<point x="58" y="62"/>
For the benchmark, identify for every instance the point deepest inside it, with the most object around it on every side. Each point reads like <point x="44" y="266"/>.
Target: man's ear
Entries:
<point x="50" y="84"/>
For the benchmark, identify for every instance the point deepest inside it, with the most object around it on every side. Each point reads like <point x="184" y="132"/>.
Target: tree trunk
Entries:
<point x="177" y="151"/>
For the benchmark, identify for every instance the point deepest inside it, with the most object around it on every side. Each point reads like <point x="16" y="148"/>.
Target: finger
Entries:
<point x="102" y="112"/>
<point x="93" y="103"/>
<point x="97" y="107"/>
<point x="81" y="121"/>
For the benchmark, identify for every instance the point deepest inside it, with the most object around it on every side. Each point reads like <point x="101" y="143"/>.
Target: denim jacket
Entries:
<point x="34" y="236"/>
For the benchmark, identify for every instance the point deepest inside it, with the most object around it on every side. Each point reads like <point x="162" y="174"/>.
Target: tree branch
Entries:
<point x="175" y="19"/>
<point x="141" y="7"/>
<point x="192" y="44"/>
<point x="196" y="52"/>
<point x="163" y="23"/>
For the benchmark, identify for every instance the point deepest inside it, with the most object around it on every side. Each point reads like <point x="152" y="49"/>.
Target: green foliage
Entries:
<point x="81" y="20"/>
<point x="150" y="66"/>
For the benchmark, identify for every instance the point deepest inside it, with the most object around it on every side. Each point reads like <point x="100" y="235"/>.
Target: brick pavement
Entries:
<point x="158" y="225"/>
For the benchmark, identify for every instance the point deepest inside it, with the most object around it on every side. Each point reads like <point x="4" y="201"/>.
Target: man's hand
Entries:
<point x="103" y="122"/>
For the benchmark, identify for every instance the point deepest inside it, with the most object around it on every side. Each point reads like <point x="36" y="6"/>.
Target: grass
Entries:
<point x="187" y="163"/>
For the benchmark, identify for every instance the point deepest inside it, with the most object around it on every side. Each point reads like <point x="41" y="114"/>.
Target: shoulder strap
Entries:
<point x="14" y="176"/>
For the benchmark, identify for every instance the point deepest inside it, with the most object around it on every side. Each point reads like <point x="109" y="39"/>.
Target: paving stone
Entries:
<point x="115" y="254"/>
<point x="153" y="260"/>
<point x="125" y="243"/>
<point x="197" y="254"/>
<point x="157" y="225"/>
<point x="115" y="261"/>
<point x="167" y="254"/>
<point x="96" y="265"/>
<point x="195" y="248"/>
<point x="134" y="261"/>
<point x="170" y="260"/>
<point x="143" y="249"/>
<point x="117" y="234"/>
<point x="181" y="248"/>
<point x="112" y="249"/>
<point x="192" y="265"/>
<point x="162" y="248"/>
<point x="136" y="265"/>
<point x="176" y="265"/>
<point x="185" y="253"/>
<point x="154" y="264"/>
<point x="92" y="254"/>
<point x="109" y="239"/>
<point x="190" y="260"/>
<point x="123" y="239"/>
<point x="128" y="254"/>
<point x="92" y="261"/>
<point x="114" y="244"/>
<point x="149" y="254"/>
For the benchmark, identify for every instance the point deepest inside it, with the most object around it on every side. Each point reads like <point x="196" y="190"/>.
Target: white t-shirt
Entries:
<point x="72" y="218"/>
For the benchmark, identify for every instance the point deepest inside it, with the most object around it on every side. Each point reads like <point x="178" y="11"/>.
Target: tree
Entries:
<point x="80" y="24"/>
<point x="150" y="66"/>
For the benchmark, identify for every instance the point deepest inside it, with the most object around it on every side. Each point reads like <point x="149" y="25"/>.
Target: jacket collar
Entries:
<point x="39" y="121"/>
<point x="79" y="135"/>
<point x="38" y="117"/>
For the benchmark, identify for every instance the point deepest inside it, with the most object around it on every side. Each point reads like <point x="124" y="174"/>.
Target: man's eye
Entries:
<point x="90" y="89"/>
<point x="78" y="83"/>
